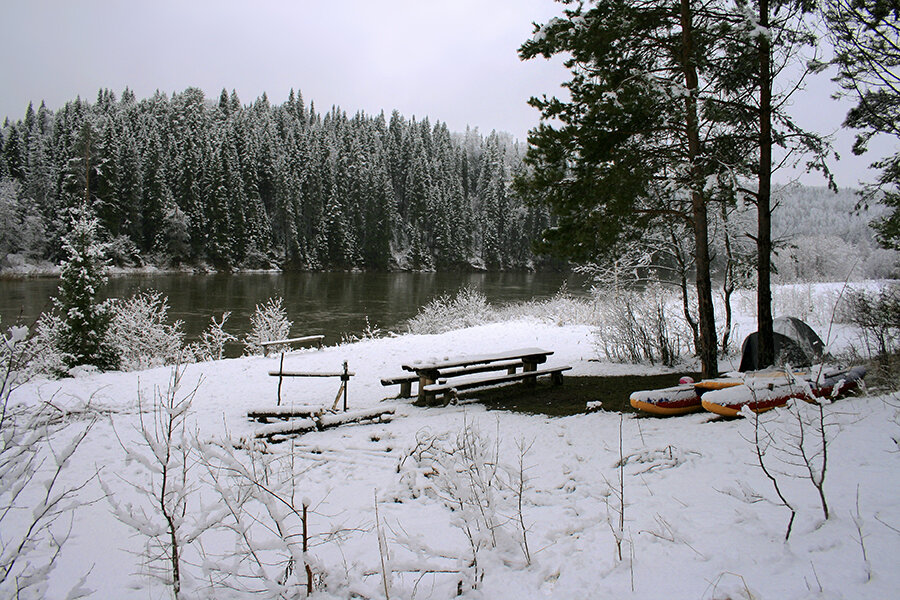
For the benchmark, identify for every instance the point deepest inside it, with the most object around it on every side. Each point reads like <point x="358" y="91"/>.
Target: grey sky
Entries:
<point x="451" y="60"/>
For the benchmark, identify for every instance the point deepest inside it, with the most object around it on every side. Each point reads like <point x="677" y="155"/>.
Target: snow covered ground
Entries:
<point x="700" y="521"/>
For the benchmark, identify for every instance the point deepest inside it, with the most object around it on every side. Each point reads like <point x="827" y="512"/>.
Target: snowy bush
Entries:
<point x="877" y="315"/>
<point x="268" y="323"/>
<point x="269" y="555"/>
<point x="467" y="308"/>
<point x="486" y="495"/>
<point x="562" y="309"/>
<point x="44" y="348"/>
<point x="167" y="511"/>
<point x="211" y="345"/>
<point x="641" y="325"/>
<point x="12" y="360"/>
<point x="816" y="258"/>
<point x="141" y="335"/>
<point x="33" y="496"/>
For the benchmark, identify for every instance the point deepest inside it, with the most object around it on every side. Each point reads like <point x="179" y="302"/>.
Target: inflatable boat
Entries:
<point x="764" y="392"/>
<point x="680" y="399"/>
<point x="795" y="344"/>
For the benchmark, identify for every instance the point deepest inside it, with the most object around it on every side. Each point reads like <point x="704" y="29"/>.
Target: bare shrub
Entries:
<point x="269" y="323"/>
<point x="640" y="326"/>
<point x="33" y="498"/>
<point x="211" y="345"/>
<point x="270" y="524"/>
<point x="163" y="514"/>
<point x="486" y="495"/>
<point x="797" y="438"/>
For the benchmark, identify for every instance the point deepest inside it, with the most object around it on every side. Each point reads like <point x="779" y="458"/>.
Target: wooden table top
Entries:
<point x="479" y="359"/>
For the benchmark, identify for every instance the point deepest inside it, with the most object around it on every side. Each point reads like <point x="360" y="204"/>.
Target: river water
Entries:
<point x="333" y="304"/>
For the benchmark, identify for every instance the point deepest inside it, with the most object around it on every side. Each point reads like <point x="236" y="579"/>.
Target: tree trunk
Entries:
<point x="708" y="345"/>
<point x="728" y="276"/>
<point x="766" y="349"/>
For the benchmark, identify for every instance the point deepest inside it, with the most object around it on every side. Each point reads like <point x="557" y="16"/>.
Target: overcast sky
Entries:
<point x="451" y="60"/>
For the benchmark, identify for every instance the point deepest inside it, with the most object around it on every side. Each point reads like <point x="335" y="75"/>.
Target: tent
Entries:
<point x="796" y="344"/>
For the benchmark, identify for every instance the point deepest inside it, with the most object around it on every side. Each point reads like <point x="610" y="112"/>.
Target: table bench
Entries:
<point x="406" y="381"/>
<point x="449" y="390"/>
<point x="432" y="376"/>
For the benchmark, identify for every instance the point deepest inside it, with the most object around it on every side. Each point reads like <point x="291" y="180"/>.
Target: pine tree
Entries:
<point x="83" y="336"/>
<point x="768" y="38"/>
<point x="866" y="35"/>
<point x="644" y="109"/>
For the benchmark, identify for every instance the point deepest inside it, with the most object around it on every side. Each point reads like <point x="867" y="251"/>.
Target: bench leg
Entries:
<point x="448" y="397"/>
<point x="556" y="378"/>
<point x="406" y="389"/>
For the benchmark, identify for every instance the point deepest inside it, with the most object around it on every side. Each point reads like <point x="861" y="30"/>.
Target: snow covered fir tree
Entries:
<point x="83" y="320"/>
<point x="183" y="180"/>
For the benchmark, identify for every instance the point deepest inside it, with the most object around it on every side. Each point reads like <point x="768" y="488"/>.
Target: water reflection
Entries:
<point x="333" y="304"/>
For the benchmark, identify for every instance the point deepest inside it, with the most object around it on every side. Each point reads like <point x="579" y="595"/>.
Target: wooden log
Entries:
<point x="353" y="416"/>
<point x="286" y="428"/>
<point x="322" y="421"/>
<point x="284" y="412"/>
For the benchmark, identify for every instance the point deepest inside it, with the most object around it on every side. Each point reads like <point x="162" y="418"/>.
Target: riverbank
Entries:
<point x="700" y="519"/>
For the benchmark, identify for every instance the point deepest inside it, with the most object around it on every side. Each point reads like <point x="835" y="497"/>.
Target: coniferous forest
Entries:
<point x="190" y="181"/>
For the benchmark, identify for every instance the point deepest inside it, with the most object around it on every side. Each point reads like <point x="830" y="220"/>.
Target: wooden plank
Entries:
<point x="309" y="374"/>
<point x="297" y="340"/>
<point x="461" y="361"/>
<point x="488" y="381"/>
<point x="494" y="366"/>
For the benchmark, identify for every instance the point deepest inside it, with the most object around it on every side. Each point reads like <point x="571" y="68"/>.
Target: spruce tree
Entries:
<point x="85" y="322"/>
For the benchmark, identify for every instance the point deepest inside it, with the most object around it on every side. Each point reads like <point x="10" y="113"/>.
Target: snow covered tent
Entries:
<point x="796" y="344"/>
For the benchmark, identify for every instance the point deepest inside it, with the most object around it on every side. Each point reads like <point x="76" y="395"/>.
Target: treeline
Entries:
<point x="189" y="181"/>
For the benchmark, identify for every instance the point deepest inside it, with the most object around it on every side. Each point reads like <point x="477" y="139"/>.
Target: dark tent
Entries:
<point x="796" y="344"/>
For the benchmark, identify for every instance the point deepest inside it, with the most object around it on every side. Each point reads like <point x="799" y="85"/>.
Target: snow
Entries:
<point x="701" y="521"/>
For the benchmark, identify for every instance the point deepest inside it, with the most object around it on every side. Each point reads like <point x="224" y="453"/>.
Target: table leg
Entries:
<point x="423" y="399"/>
<point x="527" y="367"/>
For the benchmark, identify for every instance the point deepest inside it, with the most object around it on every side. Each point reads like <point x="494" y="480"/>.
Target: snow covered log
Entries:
<point x="321" y="420"/>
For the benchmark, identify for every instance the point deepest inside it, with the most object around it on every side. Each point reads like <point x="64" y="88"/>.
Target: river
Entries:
<point x="333" y="304"/>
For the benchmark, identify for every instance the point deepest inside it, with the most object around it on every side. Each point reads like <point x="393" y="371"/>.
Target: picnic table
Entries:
<point x="429" y="373"/>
